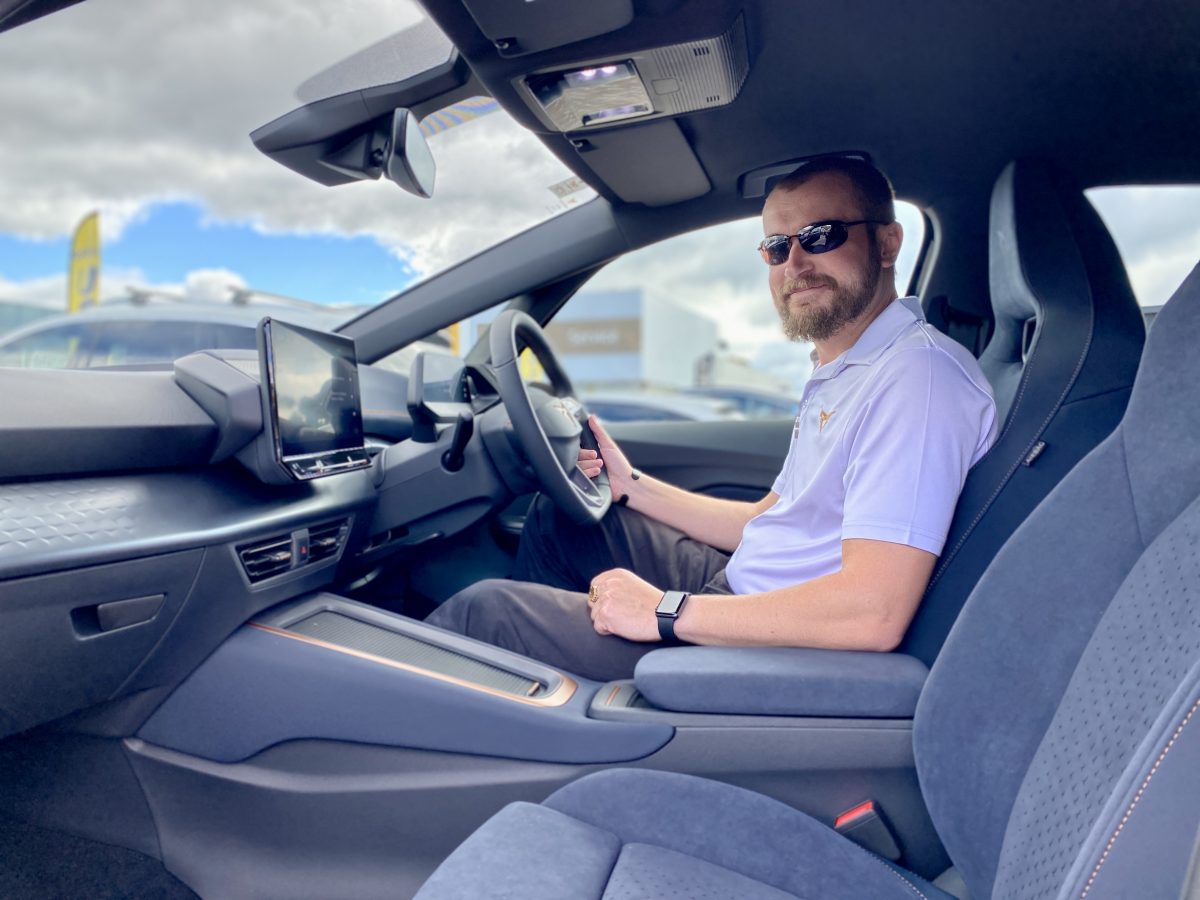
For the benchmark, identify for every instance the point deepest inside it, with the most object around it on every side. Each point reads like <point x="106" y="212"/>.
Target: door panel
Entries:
<point x="737" y="459"/>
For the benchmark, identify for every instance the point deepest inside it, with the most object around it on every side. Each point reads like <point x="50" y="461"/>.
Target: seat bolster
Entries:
<point x="527" y="852"/>
<point x="736" y="829"/>
<point x="644" y="872"/>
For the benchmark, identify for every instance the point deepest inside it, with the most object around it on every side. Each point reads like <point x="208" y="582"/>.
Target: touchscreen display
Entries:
<point x="313" y="384"/>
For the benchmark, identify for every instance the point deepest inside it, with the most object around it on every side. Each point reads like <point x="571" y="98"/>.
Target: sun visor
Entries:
<point x="652" y="164"/>
<point x="516" y="27"/>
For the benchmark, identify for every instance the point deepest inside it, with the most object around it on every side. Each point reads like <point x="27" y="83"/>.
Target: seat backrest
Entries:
<point x="1056" y="739"/>
<point x="1061" y="361"/>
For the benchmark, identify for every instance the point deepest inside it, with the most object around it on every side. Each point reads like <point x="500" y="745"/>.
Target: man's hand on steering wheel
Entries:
<point x="609" y="458"/>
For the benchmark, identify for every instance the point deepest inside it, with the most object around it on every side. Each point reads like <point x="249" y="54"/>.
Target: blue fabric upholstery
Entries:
<point x="1137" y="658"/>
<point x="1042" y="642"/>
<point x="1152" y="841"/>
<point x="645" y="872"/>
<point x="1054" y="269"/>
<point x="527" y="852"/>
<point x="765" y="848"/>
<point x="784" y="681"/>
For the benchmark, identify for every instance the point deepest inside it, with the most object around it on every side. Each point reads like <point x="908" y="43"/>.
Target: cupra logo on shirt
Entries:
<point x="825" y="417"/>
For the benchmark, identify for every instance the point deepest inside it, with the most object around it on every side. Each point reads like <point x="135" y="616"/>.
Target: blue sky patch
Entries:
<point x="172" y="239"/>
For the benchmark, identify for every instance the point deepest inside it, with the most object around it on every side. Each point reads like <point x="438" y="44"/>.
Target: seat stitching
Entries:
<point x="1087" y="344"/>
<point x="1136" y="799"/>
<point x="1137" y="518"/>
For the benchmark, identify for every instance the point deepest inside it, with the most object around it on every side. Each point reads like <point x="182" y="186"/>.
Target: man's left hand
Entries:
<point x="624" y="605"/>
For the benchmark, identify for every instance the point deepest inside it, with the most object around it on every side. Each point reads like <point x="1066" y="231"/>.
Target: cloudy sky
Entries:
<point x="141" y="109"/>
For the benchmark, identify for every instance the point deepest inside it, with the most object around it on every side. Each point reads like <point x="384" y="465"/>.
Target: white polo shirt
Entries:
<point x="880" y="450"/>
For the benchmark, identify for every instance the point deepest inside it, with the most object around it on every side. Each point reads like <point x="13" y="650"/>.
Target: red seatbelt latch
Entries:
<point x="864" y="825"/>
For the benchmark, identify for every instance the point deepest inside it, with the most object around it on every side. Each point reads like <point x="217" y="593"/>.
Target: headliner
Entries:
<point x="941" y="93"/>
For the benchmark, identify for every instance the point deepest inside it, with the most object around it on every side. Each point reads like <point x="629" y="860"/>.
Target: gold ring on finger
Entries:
<point x="592" y="598"/>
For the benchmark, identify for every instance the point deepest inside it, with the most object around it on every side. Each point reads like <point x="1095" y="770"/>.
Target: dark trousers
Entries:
<point x="543" y="612"/>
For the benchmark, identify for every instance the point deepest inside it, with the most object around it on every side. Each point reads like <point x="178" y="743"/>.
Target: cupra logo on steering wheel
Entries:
<point x="568" y="407"/>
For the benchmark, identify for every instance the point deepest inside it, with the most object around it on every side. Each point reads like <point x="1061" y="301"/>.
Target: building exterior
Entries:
<point x="624" y="338"/>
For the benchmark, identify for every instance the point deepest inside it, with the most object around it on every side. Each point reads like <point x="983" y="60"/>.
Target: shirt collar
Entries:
<point x="897" y="317"/>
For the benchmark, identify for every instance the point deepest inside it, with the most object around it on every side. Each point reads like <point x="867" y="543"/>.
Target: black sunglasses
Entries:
<point x="819" y="237"/>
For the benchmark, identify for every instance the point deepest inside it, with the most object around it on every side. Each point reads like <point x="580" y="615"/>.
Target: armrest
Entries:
<point x="782" y="681"/>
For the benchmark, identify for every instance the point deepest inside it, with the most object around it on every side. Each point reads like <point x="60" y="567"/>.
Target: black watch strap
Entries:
<point x="669" y="608"/>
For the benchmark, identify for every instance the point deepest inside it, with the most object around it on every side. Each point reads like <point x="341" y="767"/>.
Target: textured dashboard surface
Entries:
<point x="57" y="515"/>
<point x="51" y="525"/>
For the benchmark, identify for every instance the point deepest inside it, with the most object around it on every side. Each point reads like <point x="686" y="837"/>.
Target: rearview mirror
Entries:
<point x="409" y="162"/>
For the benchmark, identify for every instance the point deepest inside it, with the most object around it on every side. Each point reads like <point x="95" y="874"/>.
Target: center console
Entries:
<point x="371" y="744"/>
<point x="324" y="667"/>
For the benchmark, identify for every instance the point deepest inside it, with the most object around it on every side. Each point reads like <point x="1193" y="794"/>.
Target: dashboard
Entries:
<point x="145" y="515"/>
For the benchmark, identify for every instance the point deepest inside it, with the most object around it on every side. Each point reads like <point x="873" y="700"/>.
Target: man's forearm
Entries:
<point x="711" y="520"/>
<point x="865" y="606"/>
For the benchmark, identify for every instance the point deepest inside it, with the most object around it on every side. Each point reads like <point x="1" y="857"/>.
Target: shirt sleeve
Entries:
<point x="911" y="448"/>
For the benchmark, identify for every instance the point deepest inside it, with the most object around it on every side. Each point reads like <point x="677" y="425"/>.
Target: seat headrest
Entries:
<point x="1038" y="224"/>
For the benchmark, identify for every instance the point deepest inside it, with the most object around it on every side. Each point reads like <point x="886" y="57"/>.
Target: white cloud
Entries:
<point x="198" y="286"/>
<point x="118" y="104"/>
<point x="1157" y="232"/>
<point x="211" y="285"/>
<point x="49" y="291"/>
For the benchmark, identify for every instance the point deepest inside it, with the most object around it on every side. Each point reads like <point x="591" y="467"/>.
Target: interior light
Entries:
<point x="576" y="98"/>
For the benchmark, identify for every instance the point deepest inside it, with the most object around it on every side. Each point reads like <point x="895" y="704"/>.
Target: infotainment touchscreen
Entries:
<point x="315" y="412"/>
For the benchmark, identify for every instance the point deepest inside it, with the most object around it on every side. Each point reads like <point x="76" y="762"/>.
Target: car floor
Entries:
<point x="37" y="863"/>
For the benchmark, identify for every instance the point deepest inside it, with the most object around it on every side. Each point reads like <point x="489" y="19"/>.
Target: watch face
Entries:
<point x="671" y="603"/>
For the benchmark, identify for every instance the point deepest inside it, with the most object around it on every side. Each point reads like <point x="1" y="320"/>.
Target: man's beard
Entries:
<point x="845" y="304"/>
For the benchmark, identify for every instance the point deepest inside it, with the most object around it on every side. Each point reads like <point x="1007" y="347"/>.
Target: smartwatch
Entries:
<point x="669" y="608"/>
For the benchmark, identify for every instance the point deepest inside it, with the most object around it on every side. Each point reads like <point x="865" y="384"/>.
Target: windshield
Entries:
<point x="126" y="127"/>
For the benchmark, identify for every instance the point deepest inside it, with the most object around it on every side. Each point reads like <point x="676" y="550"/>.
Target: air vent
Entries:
<point x="325" y="541"/>
<point x="271" y="557"/>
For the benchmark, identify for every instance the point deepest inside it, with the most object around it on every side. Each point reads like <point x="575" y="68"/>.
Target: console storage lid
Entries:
<point x="782" y="681"/>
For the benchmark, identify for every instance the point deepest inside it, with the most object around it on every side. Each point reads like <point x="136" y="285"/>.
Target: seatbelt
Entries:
<point x="970" y="330"/>
<point x="864" y="825"/>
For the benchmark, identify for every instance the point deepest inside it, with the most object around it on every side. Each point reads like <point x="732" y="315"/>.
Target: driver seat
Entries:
<point x="1053" y="738"/>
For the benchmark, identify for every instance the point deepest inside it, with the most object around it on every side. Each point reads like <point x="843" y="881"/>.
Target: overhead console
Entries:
<point x="646" y="84"/>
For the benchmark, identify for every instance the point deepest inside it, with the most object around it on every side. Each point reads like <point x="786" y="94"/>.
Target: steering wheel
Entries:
<point x="550" y="427"/>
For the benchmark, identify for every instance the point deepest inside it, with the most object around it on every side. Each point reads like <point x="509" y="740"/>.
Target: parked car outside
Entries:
<point x="659" y="407"/>
<point x="751" y="403"/>
<point x="124" y="334"/>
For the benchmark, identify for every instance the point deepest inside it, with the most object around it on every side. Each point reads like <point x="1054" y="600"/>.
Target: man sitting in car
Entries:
<point x="839" y="552"/>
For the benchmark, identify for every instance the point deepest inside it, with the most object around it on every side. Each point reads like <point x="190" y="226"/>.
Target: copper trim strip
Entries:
<point x="559" y="696"/>
<point x="612" y="695"/>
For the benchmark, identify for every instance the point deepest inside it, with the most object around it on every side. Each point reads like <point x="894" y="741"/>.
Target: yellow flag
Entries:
<point x="83" y="275"/>
<point x="531" y="370"/>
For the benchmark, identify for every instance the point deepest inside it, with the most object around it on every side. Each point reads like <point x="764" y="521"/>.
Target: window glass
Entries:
<point x="688" y="325"/>
<point x="130" y="343"/>
<point x="153" y="186"/>
<point x="61" y="347"/>
<point x="1157" y="231"/>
